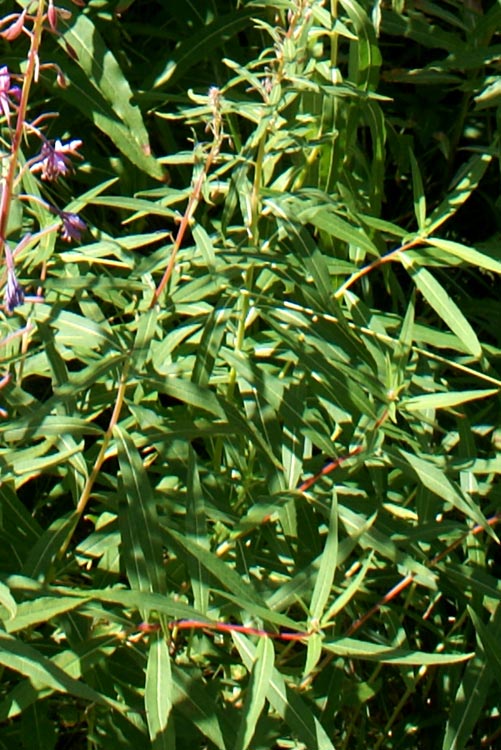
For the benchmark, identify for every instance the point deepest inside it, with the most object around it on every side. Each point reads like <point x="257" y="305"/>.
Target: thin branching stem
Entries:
<point x="101" y="457"/>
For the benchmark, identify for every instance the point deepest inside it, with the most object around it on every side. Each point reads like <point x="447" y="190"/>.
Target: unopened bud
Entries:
<point x="13" y="31"/>
<point x="52" y="16"/>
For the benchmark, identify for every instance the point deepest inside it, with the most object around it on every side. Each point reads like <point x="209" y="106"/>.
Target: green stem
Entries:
<point x="256" y="188"/>
<point x="240" y="334"/>
<point x="334" y="37"/>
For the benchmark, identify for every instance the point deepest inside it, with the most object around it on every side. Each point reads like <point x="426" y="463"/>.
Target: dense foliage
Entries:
<point x="263" y="387"/>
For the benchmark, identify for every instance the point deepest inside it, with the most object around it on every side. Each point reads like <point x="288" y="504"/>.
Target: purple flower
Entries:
<point x="54" y="160"/>
<point x="14" y="294"/>
<point x="72" y="226"/>
<point x="7" y="92"/>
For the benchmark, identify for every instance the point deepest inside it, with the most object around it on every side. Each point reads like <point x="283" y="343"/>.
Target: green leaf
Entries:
<point x="99" y="89"/>
<point x="255" y="697"/>
<point x="444" y="306"/>
<point x="418" y="192"/>
<point x="328" y="221"/>
<point x="471" y="694"/>
<point x="213" y="334"/>
<point x="140" y="205"/>
<point x="157" y="694"/>
<point x="365" y="57"/>
<point x="465" y="182"/>
<point x="189" y="393"/>
<point x="75" y="330"/>
<point x="26" y="660"/>
<point x="436" y="481"/>
<point x="328" y="564"/>
<point x="45" y="552"/>
<point x="48" y="426"/>
<point x="195" y="701"/>
<point x="139" y="524"/>
<point x="468" y="254"/>
<point x="75" y="663"/>
<point x="196" y="529"/>
<point x="351" y="648"/>
<point x="37" y="728"/>
<point x="489" y="637"/>
<point x="287" y="703"/>
<point x="41" y="610"/>
<point x="199" y="46"/>
<point x="138" y="600"/>
<point x="146" y="330"/>
<point x="8" y="606"/>
<point x="292" y="440"/>
<point x="19" y="531"/>
<point x="445" y="400"/>
<point x="224" y="574"/>
<point x="349" y="592"/>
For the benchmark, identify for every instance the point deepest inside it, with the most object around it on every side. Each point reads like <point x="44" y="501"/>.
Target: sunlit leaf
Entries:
<point x="256" y="693"/>
<point x="157" y="695"/>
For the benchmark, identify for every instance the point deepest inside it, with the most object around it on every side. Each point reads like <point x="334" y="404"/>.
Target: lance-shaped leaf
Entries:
<point x="139" y="526"/>
<point x="157" y="695"/>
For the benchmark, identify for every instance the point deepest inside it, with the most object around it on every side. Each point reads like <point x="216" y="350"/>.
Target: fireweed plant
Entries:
<point x="249" y="431"/>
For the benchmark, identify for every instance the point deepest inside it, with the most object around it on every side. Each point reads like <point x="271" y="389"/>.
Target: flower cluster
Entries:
<point x="54" y="159"/>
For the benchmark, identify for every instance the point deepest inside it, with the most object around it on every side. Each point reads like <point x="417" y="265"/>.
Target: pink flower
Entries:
<point x="54" y="160"/>
<point x="7" y="92"/>
<point x="16" y="27"/>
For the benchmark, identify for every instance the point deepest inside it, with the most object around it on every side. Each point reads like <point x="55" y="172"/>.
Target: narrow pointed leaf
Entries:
<point x="418" y="192"/>
<point x="351" y="648"/>
<point x="40" y="610"/>
<point x="192" y="699"/>
<point x="287" y="703"/>
<point x="157" y="694"/>
<point x="437" y="482"/>
<point x="255" y="698"/>
<point x="101" y="91"/>
<point x="475" y="683"/>
<point x="465" y="183"/>
<point x="467" y="254"/>
<point x="141" y="539"/>
<point x="8" y="606"/>
<point x="328" y="564"/>
<point x="445" y="307"/>
<point x="445" y="400"/>
<point x="26" y="660"/>
<point x="196" y="529"/>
